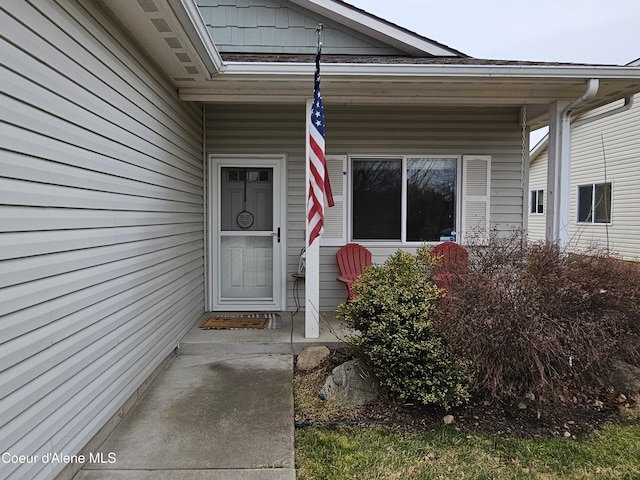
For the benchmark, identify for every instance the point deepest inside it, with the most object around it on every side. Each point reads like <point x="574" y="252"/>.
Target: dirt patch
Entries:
<point x="524" y="418"/>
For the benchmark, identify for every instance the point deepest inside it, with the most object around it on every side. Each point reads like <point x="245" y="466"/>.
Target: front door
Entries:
<point x="248" y="240"/>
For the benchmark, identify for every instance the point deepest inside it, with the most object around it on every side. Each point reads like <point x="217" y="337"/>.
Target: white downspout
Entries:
<point x="564" y="170"/>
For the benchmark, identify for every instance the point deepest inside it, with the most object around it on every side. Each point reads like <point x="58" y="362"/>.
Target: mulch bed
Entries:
<point x="489" y="416"/>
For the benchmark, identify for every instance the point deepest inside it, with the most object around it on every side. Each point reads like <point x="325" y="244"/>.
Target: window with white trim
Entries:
<point x="404" y="199"/>
<point x="594" y="203"/>
<point x="536" y="202"/>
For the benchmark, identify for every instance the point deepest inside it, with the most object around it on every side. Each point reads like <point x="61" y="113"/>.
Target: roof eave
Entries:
<point x="194" y="25"/>
<point x="375" y="27"/>
<point x="433" y="70"/>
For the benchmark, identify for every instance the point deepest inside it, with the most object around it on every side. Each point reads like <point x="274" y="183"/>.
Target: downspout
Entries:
<point x="564" y="181"/>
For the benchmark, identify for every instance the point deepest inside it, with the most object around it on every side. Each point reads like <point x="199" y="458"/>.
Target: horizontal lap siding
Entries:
<point x="538" y="181"/>
<point x="351" y="130"/>
<point x="101" y="231"/>
<point x="609" y="148"/>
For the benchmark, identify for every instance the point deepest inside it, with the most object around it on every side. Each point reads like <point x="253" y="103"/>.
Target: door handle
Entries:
<point x="277" y="234"/>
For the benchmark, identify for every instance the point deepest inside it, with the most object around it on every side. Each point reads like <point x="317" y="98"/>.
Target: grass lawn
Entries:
<point x="367" y="453"/>
<point x="382" y="452"/>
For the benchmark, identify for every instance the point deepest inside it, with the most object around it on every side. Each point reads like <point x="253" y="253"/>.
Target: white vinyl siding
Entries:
<point x="101" y="238"/>
<point x="372" y="131"/>
<point x="609" y="150"/>
<point x="538" y="181"/>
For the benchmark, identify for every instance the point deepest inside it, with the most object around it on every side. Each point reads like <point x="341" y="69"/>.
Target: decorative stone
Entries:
<point x="625" y="378"/>
<point x="311" y="357"/>
<point x="352" y="383"/>
<point x="448" y="419"/>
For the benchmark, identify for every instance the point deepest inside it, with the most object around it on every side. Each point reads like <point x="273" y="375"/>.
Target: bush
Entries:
<point x="392" y="310"/>
<point x="533" y="319"/>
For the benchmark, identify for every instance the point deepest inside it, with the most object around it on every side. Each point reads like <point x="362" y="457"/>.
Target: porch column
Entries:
<point x="559" y="165"/>
<point x="312" y="270"/>
<point x="558" y="176"/>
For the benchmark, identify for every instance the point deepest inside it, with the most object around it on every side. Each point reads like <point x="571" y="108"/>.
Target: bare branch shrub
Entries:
<point x="532" y="318"/>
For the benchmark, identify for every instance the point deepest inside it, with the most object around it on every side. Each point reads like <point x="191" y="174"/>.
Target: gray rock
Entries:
<point x="311" y="357"/>
<point x="352" y="383"/>
<point x="625" y="378"/>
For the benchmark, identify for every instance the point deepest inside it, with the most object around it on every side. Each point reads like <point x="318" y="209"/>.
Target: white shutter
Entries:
<point x="335" y="218"/>
<point x="476" y="195"/>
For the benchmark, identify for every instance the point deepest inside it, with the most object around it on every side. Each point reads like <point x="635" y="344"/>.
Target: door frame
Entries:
<point x="279" y="165"/>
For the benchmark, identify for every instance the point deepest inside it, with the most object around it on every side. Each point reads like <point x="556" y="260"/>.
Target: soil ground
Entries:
<point x="521" y="418"/>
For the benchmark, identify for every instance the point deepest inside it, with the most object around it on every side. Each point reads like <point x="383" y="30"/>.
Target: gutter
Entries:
<point x="544" y="142"/>
<point x="432" y="70"/>
<point x="628" y="103"/>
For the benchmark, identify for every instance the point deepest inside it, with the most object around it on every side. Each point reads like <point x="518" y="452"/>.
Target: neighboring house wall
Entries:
<point x="606" y="149"/>
<point x="609" y="150"/>
<point x="383" y="130"/>
<point x="537" y="182"/>
<point x="101" y="238"/>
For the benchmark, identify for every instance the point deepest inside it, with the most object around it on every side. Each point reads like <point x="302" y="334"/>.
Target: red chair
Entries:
<point x="352" y="258"/>
<point x="454" y="261"/>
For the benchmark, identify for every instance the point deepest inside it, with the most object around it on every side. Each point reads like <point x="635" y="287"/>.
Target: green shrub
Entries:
<point x="534" y="319"/>
<point x="392" y="311"/>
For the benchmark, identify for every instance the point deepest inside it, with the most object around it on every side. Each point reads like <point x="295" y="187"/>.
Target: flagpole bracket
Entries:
<point x="319" y="30"/>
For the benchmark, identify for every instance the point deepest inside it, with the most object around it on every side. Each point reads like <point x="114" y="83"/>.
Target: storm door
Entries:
<point x="248" y="235"/>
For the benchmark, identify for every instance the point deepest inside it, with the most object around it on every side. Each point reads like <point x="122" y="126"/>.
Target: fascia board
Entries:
<point x="351" y="17"/>
<point x="189" y="16"/>
<point x="431" y="70"/>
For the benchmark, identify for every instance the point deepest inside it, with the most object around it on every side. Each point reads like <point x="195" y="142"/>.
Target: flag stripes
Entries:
<point x="319" y="186"/>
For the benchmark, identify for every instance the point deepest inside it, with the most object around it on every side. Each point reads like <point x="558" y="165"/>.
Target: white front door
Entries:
<point x="248" y="235"/>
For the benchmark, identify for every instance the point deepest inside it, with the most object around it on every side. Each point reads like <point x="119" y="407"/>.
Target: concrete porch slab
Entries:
<point x="289" y="339"/>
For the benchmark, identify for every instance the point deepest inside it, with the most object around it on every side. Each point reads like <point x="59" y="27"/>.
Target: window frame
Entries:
<point x="532" y="205"/>
<point x="403" y="209"/>
<point x="593" y="186"/>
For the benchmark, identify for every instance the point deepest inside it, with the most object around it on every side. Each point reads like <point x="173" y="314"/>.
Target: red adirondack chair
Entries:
<point x="454" y="261"/>
<point x="352" y="258"/>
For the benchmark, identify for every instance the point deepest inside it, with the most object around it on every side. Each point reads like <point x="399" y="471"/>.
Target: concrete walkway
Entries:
<point x="223" y="410"/>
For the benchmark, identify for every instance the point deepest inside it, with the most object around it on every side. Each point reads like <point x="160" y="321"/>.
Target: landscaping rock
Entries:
<point x="448" y="419"/>
<point x="352" y="383"/>
<point x="625" y="378"/>
<point x="310" y="358"/>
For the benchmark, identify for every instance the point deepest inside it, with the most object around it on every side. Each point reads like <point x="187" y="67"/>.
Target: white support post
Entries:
<point x="312" y="277"/>
<point x="559" y="165"/>
<point x="558" y="176"/>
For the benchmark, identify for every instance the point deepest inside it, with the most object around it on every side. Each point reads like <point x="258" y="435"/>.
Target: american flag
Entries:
<point x="319" y="186"/>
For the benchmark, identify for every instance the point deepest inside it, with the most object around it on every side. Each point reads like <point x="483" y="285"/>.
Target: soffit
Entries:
<point x="179" y="44"/>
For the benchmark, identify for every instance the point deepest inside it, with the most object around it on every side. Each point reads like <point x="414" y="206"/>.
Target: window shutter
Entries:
<point x="476" y="195"/>
<point x="335" y="218"/>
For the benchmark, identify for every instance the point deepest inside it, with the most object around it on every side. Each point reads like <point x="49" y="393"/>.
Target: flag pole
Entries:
<point x="312" y="279"/>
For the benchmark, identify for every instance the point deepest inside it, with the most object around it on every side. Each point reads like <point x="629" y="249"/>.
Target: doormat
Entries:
<point x="235" y="323"/>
